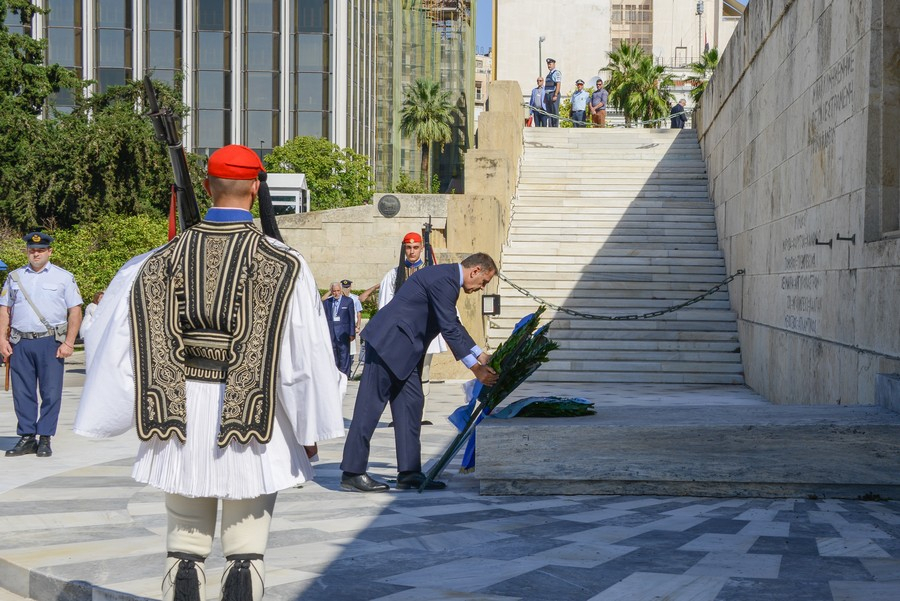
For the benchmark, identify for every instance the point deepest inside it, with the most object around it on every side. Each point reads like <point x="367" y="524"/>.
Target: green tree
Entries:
<point x="426" y="114"/>
<point x="622" y="61"/>
<point x="638" y="87"/>
<point x="102" y="158"/>
<point x="702" y="71"/>
<point x="25" y="82"/>
<point x="336" y="177"/>
<point x="93" y="251"/>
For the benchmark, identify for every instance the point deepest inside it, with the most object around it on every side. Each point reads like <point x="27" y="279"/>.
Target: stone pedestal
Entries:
<point x="727" y="451"/>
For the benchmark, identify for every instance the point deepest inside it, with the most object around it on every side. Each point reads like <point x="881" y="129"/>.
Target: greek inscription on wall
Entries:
<point x="832" y="100"/>
<point x="801" y="292"/>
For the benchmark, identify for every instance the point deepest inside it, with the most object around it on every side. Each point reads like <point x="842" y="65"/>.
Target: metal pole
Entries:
<point x="699" y="30"/>
<point x="541" y="55"/>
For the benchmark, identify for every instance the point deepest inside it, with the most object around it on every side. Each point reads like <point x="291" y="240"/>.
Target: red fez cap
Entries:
<point x="234" y="162"/>
<point x="412" y="237"/>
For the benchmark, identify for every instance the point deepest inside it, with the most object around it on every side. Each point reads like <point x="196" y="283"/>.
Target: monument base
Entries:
<point x="757" y="450"/>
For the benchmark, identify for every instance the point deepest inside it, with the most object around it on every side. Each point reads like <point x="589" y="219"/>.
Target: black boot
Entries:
<point x="43" y="448"/>
<point x="26" y="445"/>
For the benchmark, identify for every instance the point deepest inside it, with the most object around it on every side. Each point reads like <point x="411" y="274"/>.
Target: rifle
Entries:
<point x="426" y="242"/>
<point x="167" y="132"/>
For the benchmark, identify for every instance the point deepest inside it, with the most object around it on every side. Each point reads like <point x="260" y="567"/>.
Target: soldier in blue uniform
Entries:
<point x="552" y="85"/>
<point x="40" y="313"/>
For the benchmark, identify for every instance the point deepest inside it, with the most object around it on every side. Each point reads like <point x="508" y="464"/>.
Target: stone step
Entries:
<point x="572" y="251"/>
<point x="608" y="242"/>
<point x="726" y="450"/>
<point x="575" y="337"/>
<point x="527" y="211"/>
<point x="536" y="202"/>
<point x="672" y="238"/>
<point x="603" y="195"/>
<point x="640" y="364"/>
<point x="724" y="347"/>
<point x="562" y="376"/>
<point x="613" y="260"/>
<point x="563" y="323"/>
<point x="635" y="220"/>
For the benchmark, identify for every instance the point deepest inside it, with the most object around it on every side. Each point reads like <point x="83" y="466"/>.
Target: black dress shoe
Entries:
<point x="426" y="422"/>
<point x="26" y="445"/>
<point x="43" y="448"/>
<point x="413" y="480"/>
<point x="362" y="483"/>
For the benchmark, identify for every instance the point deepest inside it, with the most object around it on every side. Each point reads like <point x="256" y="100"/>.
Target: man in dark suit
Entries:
<point x="396" y="340"/>
<point x="341" y="314"/>
<point x="678" y="116"/>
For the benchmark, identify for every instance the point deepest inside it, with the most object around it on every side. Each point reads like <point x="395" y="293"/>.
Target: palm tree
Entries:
<point x="637" y="86"/>
<point x="622" y="61"/>
<point x="702" y="70"/>
<point x="426" y="113"/>
<point x="647" y="96"/>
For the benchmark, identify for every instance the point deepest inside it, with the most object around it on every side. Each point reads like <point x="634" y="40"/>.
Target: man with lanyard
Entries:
<point x="578" y="104"/>
<point x="215" y="347"/>
<point x="552" y="85"/>
<point x="342" y="325"/>
<point x="40" y="307"/>
<point x="536" y="105"/>
<point x="598" y="105"/>
<point x="357" y="305"/>
<point x="411" y="261"/>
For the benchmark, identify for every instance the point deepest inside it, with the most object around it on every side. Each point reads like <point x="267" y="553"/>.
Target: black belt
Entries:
<point x="33" y="335"/>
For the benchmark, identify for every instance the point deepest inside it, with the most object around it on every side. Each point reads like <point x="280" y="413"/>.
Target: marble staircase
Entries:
<point x="618" y="222"/>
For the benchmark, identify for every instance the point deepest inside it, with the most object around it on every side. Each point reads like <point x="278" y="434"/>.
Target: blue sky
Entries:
<point x="483" y="16"/>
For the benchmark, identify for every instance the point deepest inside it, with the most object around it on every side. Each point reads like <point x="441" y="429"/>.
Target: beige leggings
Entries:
<point x="192" y="524"/>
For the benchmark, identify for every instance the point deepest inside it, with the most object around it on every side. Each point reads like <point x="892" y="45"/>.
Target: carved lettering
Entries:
<point x="832" y="95"/>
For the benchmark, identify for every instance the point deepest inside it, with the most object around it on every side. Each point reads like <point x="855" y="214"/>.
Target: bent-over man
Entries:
<point x="396" y="340"/>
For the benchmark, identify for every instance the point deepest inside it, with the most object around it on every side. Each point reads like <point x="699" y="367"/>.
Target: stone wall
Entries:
<point x="357" y="242"/>
<point x="799" y="128"/>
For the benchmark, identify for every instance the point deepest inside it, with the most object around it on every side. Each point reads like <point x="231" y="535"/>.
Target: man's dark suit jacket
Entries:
<point x="424" y="307"/>
<point x="342" y="330"/>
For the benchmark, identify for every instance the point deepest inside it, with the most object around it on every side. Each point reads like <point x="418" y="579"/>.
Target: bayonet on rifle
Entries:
<point x="167" y="132"/>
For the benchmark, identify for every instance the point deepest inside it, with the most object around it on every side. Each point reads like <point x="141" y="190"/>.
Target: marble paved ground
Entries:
<point x="77" y="527"/>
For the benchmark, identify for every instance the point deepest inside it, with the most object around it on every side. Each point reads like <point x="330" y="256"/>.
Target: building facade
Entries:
<point x="432" y="39"/>
<point x="580" y="35"/>
<point x="254" y="72"/>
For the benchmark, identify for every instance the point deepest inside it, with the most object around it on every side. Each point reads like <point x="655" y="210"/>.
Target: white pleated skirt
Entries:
<point x="200" y="468"/>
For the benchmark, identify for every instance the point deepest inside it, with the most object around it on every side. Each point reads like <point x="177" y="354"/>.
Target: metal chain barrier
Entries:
<point x="650" y="315"/>
<point x="635" y="123"/>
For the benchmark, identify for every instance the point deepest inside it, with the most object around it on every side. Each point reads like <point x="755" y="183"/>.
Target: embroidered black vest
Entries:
<point x="211" y="305"/>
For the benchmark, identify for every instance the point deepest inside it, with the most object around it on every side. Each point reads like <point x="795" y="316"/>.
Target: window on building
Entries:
<point x="310" y="67"/>
<point x="211" y="125"/>
<point x="632" y="22"/>
<point x="112" y="38"/>
<point x="63" y="31"/>
<point x="163" y="37"/>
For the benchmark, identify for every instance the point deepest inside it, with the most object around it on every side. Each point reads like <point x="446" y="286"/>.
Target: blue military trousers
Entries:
<point x="33" y="366"/>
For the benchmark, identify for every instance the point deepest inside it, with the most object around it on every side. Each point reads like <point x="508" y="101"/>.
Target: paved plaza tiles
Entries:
<point x="76" y="527"/>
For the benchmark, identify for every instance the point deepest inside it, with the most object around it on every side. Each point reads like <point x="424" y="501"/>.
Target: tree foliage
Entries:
<point x="336" y="177"/>
<point x="93" y="251"/>
<point x="426" y="114"/>
<point x="637" y="86"/>
<point x="702" y="71"/>
<point x="100" y="159"/>
<point x="25" y="82"/>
